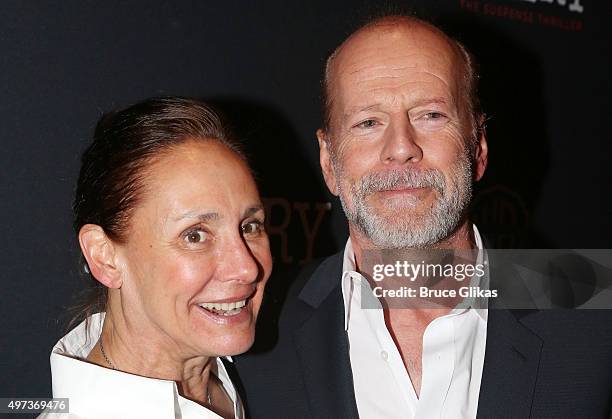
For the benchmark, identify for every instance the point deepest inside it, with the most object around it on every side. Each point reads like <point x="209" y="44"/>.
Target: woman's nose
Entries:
<point x="238" y="263"/>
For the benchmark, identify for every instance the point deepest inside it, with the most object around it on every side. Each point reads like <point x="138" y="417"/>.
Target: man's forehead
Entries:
<point x="394" y="45"/>
<point x="400" y="39"/>
<point x="389" y="58"/>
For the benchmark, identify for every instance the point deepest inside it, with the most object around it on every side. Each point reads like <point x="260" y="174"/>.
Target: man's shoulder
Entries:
<point x="267" y="376"/>
<point x="308" y="288"/>
<point x="547" y="363"/>
<point x="317" y="278"/>
<point x="579" y="325"/>
<point x="292" y="295"/>
<point x="306" y="274"/>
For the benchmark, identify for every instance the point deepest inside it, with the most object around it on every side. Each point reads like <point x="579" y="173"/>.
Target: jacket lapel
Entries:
<point x="510" y="370"/>
<point x="322" y="345"/>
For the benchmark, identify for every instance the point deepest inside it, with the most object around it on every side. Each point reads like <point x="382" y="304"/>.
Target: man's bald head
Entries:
<point x="467" y="76"/>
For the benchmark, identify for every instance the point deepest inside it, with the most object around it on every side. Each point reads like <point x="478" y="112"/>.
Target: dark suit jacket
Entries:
<point x="538" y="364"/>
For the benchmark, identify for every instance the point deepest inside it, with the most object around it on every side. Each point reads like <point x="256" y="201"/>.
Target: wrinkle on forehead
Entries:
<point x="360" y="69"/>
<point x="377" y="90"/>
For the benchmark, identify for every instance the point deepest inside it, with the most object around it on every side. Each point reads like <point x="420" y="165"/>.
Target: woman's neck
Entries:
<point x="124" y="348"/>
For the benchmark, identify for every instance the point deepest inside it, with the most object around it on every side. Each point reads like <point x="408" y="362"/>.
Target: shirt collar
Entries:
<point x="91" y="387"/>
<point x="350" y="275"/>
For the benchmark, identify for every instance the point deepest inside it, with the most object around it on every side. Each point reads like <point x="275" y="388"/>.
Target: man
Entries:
<point x="402" y="143"/>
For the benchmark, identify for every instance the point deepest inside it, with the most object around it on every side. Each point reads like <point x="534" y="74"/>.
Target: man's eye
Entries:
<point x="252" y="227"/>
<point x="368" y="123"/>
<point x="195" y="236"/>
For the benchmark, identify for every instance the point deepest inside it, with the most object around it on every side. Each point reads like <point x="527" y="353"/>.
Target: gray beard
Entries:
<point x="398" y="231"/>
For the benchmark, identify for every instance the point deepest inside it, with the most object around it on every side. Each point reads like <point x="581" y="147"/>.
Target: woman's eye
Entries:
<point x="434" y="115"/>
<point x="196" y="236"/>
<point x="252" y="227"/>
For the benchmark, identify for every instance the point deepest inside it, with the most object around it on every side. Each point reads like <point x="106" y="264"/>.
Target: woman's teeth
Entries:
<point x="224" y="309"/>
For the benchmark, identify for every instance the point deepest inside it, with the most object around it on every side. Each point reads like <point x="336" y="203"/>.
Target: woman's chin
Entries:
<point x="224" y="334"/>
<point x="229" y="345"/>
<point x="238" y="348"/>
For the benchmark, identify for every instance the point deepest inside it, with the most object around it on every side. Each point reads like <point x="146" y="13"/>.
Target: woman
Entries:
<point x="170" y="223"/>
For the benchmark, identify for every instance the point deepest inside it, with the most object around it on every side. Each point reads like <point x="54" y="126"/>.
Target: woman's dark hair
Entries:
<point x="112" y="168"/>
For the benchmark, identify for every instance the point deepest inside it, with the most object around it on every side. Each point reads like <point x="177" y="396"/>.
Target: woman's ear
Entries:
<point x="100" y="254"/>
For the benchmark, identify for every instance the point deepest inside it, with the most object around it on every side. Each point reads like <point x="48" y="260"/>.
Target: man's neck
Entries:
<point x="407" y="326"/>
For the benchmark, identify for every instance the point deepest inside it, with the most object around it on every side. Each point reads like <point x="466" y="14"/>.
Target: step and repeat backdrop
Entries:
<point x="545" y="85"/>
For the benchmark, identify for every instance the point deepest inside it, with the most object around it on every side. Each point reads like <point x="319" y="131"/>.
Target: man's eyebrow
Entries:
<point x="252" y="210"/>
<point x="430" y="100"/>
<point x="357" y="109"/>
<point x="205" y="216"/>
<point x="418" y="102"/>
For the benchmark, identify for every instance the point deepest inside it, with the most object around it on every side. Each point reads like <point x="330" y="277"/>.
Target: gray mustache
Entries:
<point x="381" y="181"/>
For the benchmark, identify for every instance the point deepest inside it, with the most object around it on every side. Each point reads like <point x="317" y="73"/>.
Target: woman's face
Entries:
<point x="196" y="257"/>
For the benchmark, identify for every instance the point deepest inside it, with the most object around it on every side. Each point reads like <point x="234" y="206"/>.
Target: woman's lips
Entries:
<point x="227" y="317"/>
<point x="229" y="311"/>
<point x="218" y="306"/>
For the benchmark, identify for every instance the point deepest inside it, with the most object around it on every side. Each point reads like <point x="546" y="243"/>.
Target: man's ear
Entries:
<point x="325" y="161"/>
<point x="100" y="254"/>
<point x="481" y="152"/>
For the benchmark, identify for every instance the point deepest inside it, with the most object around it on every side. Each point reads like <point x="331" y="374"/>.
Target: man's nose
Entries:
<point x="238" y="262"/>
<point x="400" y="144"/>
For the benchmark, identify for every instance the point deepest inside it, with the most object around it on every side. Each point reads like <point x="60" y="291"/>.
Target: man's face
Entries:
<point x="396" y="151"/>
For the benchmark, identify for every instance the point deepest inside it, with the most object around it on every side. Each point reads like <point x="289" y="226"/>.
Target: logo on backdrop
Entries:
<point x="502" y="214"/>
<point x="293" y="228"/>
<point x="565" y="15"/>
<point x="572" y="5"/>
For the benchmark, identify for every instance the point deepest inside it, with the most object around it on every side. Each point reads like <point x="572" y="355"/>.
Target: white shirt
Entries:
<point x="452" y="360"/>
<point x="96" y="392"/>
